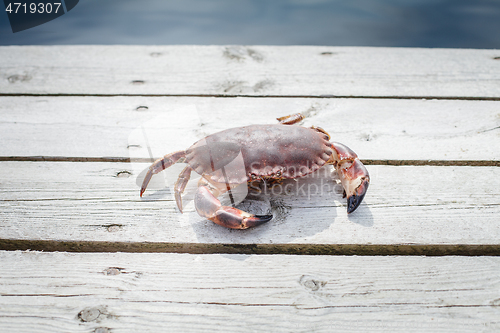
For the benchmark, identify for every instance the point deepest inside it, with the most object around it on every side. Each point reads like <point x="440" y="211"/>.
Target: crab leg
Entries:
<point x="353" y="175"/>
<point x="180" y="185"/>
<point x="160" y="165"/>
<point x="207" y="205"/>
<point x="291" y="119"/>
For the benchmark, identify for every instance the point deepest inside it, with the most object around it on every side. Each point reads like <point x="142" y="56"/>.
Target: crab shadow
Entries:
<point x="301" y="208"/>
<point x="363" y="216"/>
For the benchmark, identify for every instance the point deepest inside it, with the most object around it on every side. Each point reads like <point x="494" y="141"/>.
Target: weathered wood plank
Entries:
<point x="255" y="71"/>
<point x="100" y="202"/>
<point x="374" y="128"/>
<point x="61" y="292"/>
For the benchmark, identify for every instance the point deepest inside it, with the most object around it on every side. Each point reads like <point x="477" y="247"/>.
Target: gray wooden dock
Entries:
<point x="80" y="251"/>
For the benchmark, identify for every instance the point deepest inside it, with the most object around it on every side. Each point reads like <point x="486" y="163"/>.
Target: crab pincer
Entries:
<point x="207" y="205"/>
<point x="353" y="175"/>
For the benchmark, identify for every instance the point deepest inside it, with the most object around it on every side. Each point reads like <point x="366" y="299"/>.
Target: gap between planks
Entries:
<point x="149" y="160"/>
<point x="262" y="249"/>
<point x="464" y="98"/>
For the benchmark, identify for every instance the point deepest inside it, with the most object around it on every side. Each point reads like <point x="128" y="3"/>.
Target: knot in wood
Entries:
<point x="123" y="174"/>
<point x="101" y="330"/>
<point x="114" y="228"/>
<point x="310" y="283"/>
<point x="113" y="271"/>
<point x="18" y="78"/>
<point x="89" y="314"/>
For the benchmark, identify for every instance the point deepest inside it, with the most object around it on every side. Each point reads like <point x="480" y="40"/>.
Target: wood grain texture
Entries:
<point x="61" y="292"/>
<point x="169" y="97"/>
<point x="119" y="126"/>
<point x="253" y="71"/>
<point x="100" y="202"/>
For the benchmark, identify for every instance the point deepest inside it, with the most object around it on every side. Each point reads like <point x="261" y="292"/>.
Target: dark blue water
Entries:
<point x="405" y="23"/>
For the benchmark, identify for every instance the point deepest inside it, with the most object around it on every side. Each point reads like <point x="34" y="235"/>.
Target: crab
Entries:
<point x="269" y="152"/>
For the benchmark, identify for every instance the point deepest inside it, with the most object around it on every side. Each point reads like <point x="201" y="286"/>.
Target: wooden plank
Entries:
<point x="61" y="292"/>
<point x="64" y="201"/>
<point x="252" y="71"/>
<point x="376" y="129"/>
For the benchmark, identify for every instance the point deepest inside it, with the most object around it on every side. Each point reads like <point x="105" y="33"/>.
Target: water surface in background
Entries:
<point x="404" y="23"/>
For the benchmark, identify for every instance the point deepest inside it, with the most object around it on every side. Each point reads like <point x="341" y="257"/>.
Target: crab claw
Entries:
<point x="353" y="175"/>
<point x="355" y="199"/>
<point x="207" y="205"/>
<point x="234" y="218"/>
